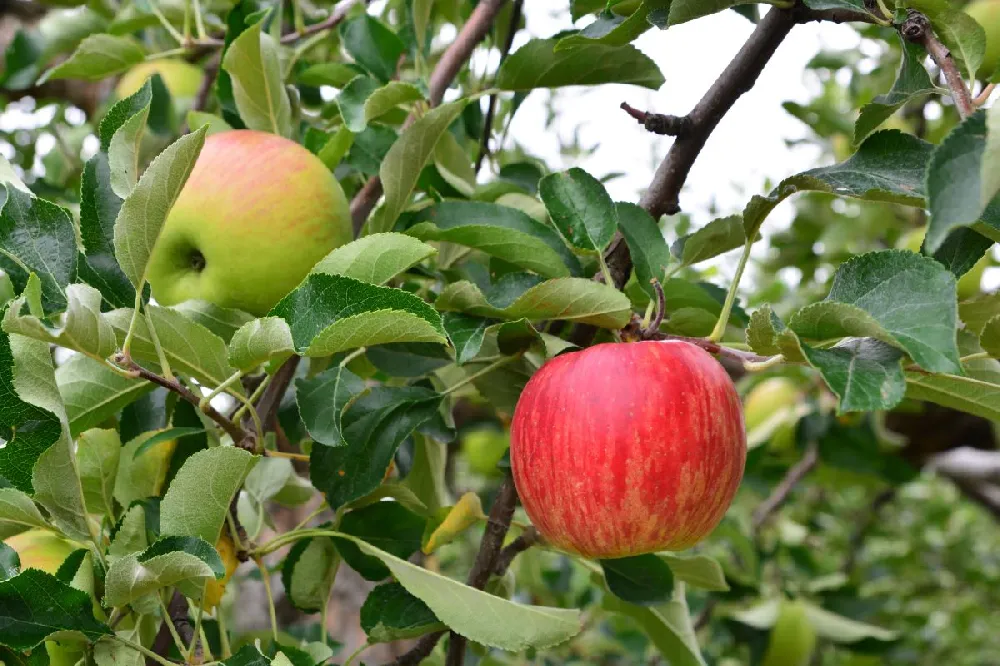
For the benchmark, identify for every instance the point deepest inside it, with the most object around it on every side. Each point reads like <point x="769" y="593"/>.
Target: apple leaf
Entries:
<point x="580" y="208"/>
<point x="840" y="629"/>
<point x="198" y="498"/>
<point x="973" y="396"/>
<point x="401" y="167"/>
<point x="496" y="623"/>
<point x="308" y="573"/>
<point x="260" y="341"/>
<point x="131" y="536"/>
<point x="123" y="152"/>
<point x="165" y="435"/>
<point x="963" y="36"/>
<point x="167" y="562"/>
<point x="763" y="330"/>
<point x="976" y="312"/>
<point x="374" y="427"/>
<point x="17" y="513"/>
<point x="99" y="206"/>
<point x="372" y="45"/>
<point x="962" y="249"/>
<point x="390" y="613"/>
<point x="912" y="82"/>
<point x="642" y="580"/>
<point x="37" y="236"/>
<point x="539" y="64"/>
<point x="190" y="348"/>
<point x="97" y="453"/>
<point x="322" y="400"/>
<point x="334" y="74"/>
<point x="224" y="322"/>
<point x="500" y="231"/>
<point x="386" y="525"/>
<point x="466" y="334"/>
<point x="613" y="29"/>
<point x="254" y="67"/>
<point x="990" y="337"/>
<point x="376" y="258"/>
<point x="701" y="571"/>
<point x="97" y="57"/>
<point x="145" y="210"/>
<point x="717" y="237"/>
<point x="83" y="329"/>
<point x="573" y="299"/>
<point x="957" y="193"/>
<point x="332" y="313"/>
<point x="335" y="148"/>
<point x="34" y="605"/>
<point x="450" y="522"/>
<point x="650" y="254"/>
<point x="866" y="374"/>
<point x="10" y="562"/>
<point x="668" y="627"/>
<point x="901" y="298"/>
<point x="364" y="99"/>
<point x="94" y="392"/>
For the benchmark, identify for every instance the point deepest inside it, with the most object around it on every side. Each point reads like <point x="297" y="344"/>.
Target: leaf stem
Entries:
<point x="238" y="416"/>
<point x="167" y="620"/>
<point x="364" y="646"/>
<point x="265" y="576"/>
<point x="268" y="453"/>
<point x="235" y="377"/>
<point x="197" y="626"/>
<point x="178" y="37"/>
<point x="127" y="345"/>
<point x="199" y="22"/>
<point x="727" y="307"/>
<point x="160" y="354"/>
<point x="759" y="366"/>
<point x="476" y="375"/>
<point x="142" y="650"/>
<point x="975" y="357"/>
<point x="227" y="650"/>
<point x="353" y="355"/>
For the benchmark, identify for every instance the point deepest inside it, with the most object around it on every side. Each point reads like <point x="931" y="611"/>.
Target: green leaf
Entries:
<point x="612" y="29"/>
<point x="260" y="341"/>
<point x="386" y="525"/>
<point x="376" y="425"/>
<point x="580" y="208"/>
<point x="573" y="299"/>
<point x="901" y="298"/>
<point x="718" y="236"/>
<point x="198" y="498"/>
<point x="682" y="11"/>
<point x="364" y="99"/>
<point x="332" y="313"/>
<point x="140" y="477"/>
<point x="668" y="627"/>
<point x="123" y="153"/>
<point x="190" y="348"/>
<point x="17" y="513"/>
<point x="962" y="250"/>
<point x="496" y="622"/>
<point x="912" y="83"/>
<point x="762" y="333"/>
<point x="390" y="613"/>
<point x="376" y="258"/>
<point x="538" y="64"/>
<point x="975" y="313"/>
<point x="144" y="212"/>
<point x="214" y="122"/>
<point x="454" y="165"/>
<point x="308" y="573"/>
<point x="83" y="329"/>
<point x="401" y="167"/>
<point x="97" y="454"/>
<point x="131" y="535"/>
<point x="253" y="64"/>
<point x="650" y="254"/>
<point x="10" y="562"/>
<point x="963" y="36"/>
<point x="165" y="435"/>
<point x="97" y="57"/>
<point x="37" y="236"/>
<point x="322" y="400"/>
<point x="93" y="392"/>
<point x="168" y="562"/>
<point x="372" y="45"/>
<point x="990" y="169"/>
<point x="990" y="337"/>
<point x="700" y="571"/>
<point x="500" y="231"/>
<point x="956" y="195"/>
<point x="866" y="374"/>
<point x="840" y="629"/>
<point x="224" y="322"/>
<point x="335" y="148"/>
<point x="643" y="579"/>
<point x="34" y="605"/>
<point x="466" y="334"/>
<point x="99" y="206"/>
<point x="965" y="394"/>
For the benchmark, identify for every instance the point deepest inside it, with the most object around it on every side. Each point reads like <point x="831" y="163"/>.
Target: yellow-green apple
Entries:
<point x="968" y="284"/>
<point x="256" y="214"/>
<point x="483" y="449"/>
<point x="628" y="448"/>
<point x="41" y="549"/>
<point x="182" y="79"/>
<point x="793" y="637"/>
<point x="987" y="14"/>
<point x="768" y="406"/>
<point x="214" y="589"/>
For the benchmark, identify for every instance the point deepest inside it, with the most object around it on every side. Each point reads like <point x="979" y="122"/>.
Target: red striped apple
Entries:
<point x="256" y="214"/>
<point x="625" y="449"/>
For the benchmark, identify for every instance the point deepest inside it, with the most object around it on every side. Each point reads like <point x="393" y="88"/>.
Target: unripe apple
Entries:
<point x="41" y="549"/>
<point x="969" y="284"/>
<point x="214" y="589"/>
<point x="624" y="449"/>
<point x="182" y="79"/>
<point x="483" y="449"/>
<point x="987" y="14"/>
<point x="764" y="402"/>
<point x="256" y="214"/>
<point x="793" y="637"/>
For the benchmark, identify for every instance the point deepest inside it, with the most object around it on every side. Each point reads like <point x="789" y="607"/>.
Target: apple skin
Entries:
<point x="214" y="589"/>
<point x="181" y="78"/>
<point x="625" y="449"/>
<point x="483" y="449"/>
<point x="41" y="549"/>
<point x="764" y="400"/>
<point x="256" y="214"/>
<point x="987" y="14"/>
<point x="793" y="637"/>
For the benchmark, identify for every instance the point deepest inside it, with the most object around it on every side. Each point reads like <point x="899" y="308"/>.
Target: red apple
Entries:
<point x="624" y="449"/>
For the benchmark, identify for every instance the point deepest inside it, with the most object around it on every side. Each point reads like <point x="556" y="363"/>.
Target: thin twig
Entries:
<point x="658" y="123"/>
<point x="177" y="618"/>
<point x="270" y="401"/>
<point x="491" y="109"/>
<point x="528" y="538"/>
<point x="661" y="307"/>
<point x="335" y="19"/>
<point x="207" y="83"/>
<point x="984" y="96"/>
<point x="450" y="63"/>
<point x="865" y="524"/>
<point x="917" y="28"/>
<point x="780" y="494"/>
<point x="420" y="651"/>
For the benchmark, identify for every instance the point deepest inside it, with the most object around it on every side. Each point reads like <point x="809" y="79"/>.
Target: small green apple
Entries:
<point x="987" y="14"/>
<point x="969" y="284"/>
<point x="793" y="637"/>
<point x="483" y="449"/>
<point x="181" y="78"/>
<point x="762" y="405"/>
<point x="256" y="214"/>
<point x="41" y="549"/>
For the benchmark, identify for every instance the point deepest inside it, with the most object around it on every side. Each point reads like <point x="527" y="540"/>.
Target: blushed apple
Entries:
<point x="256" y="214"/>
<point x="624" y="449"/>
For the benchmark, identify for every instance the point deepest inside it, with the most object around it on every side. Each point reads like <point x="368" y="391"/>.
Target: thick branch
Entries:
<point x="522" y="543"/>
<point x="450" y="63"/>
<point x="484" y="141"/>
<point x="177" y="609"/>
<point x="777" y="498"/>
<point x="917" y="28"/>
<point x="270" y="401"/>
<point x="420" y="651"/>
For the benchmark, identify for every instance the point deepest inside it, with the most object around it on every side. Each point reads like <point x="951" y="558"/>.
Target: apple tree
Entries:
<point x="276" y="276"/>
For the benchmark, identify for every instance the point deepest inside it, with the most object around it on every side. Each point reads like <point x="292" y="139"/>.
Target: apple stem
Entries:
<point x="653" y="326"/>
<point x="727" y="307"/>
<point x="760" y="366"/>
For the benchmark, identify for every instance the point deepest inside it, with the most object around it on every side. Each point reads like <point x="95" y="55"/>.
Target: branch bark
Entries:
<point x="450" y="63"/>
<point x="777" y="498"/>
<point x="917" y="28"/>
<point x="484" y="142"/>
<point x="335" y="19"/>
<point x="177" y="609"/>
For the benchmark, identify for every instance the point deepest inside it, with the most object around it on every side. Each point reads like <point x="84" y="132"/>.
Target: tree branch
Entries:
<point x="777" y="498"/>
<point x="484" y="142"/>
<point x="420" y="651"/>
<point x="270" y="401"/>
<point x="528" y="538"/>
<point x="451" y="61"/>
<point x="335" y="19"/>
<point x="177" y="609"/>
<point x="917" y="28"/>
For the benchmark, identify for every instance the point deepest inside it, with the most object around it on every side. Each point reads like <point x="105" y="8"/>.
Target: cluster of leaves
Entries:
<point x="458" y="288"/>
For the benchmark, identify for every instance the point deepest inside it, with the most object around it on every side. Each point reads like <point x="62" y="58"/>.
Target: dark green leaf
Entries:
<point x="248" y="655"/>
<point x="385" y="525"/>
<point x="650" y="254"/>
<point x="166" y="436"/>
<point x="390" y="613"/>
<point x="308" y="573"/>
<point x="372" y="45"/>
<point x="200" y="548"/>
<point x="35" y="605"/>
<point x="866" y="374"/>
<point x="99" y="206"/>
<point x="962" y="249"/>
<point x="643" y="579"/>
<point x="10" y="563"/>
<point x="538" y="64"/>
<point x="912" y="82"/>
<point x="718" y="236"/>
<point x="580" y="208"/>
<point x="322" y="400"/>
<point x="466" y="334"/>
